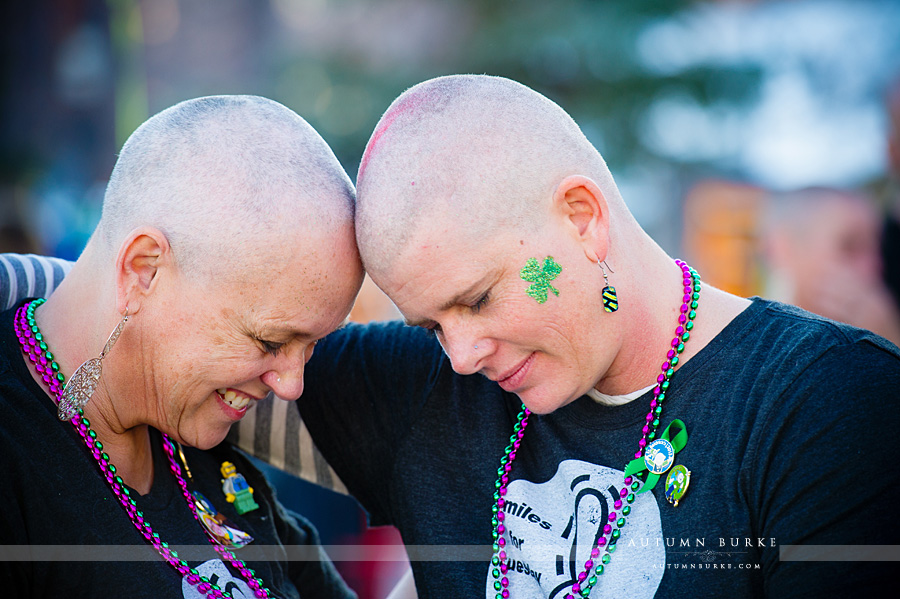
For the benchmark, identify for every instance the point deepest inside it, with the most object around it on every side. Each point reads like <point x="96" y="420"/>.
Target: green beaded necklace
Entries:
<point x="633" y="484"/>
<point x="35" y="348"/>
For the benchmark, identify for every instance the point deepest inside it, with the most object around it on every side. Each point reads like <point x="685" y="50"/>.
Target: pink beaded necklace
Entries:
<point x="35" y="347"/>
<point x="606" y="543"/>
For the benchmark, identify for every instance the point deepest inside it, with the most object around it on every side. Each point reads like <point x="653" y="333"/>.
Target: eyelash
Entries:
<point x="270" y="347"/>
<point x="477" y="306"/>
<point x="435" y="328"/>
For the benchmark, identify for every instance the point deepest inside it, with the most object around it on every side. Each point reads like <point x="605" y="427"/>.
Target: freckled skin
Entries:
<point x="198" y="337"/>
<point x="510" y="326"/>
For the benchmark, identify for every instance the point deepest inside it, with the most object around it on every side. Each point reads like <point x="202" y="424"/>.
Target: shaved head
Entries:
<point x="227" y="238"/>
<point x="222" y="172"/>
<point x="478" y="153"/>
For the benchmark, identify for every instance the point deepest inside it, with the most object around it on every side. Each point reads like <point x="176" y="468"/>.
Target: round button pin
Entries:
<point x="659" y="456"/>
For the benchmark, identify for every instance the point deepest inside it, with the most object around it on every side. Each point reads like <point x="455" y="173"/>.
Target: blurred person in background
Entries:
<point x="821" y="250"/>
<point x="224" y="252"/>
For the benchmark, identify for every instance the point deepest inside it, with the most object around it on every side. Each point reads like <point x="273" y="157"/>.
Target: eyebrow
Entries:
<point x="278" y="332"/>
<point x="457" y="299"/>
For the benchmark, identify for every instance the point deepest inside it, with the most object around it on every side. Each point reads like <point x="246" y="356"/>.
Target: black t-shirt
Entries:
<point x="54" y="499"/>
<point x="790" y="418"/>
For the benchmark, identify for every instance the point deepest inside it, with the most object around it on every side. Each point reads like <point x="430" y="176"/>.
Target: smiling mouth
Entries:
<point x="232" y="399"/>
<point x="511" y="380"/>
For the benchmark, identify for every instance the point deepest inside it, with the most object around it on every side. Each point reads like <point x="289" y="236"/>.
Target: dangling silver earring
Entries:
<point x="80" y="388"/>
<point x="610" y="299"/>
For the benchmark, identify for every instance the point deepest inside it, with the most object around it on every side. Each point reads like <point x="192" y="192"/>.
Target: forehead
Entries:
<point x="439" y="263"/>
<point x="303" y="287"/>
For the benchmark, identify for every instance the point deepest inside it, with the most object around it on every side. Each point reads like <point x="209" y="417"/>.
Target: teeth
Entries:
<point x="233" y="400"/>
<point x="221" y="391"/>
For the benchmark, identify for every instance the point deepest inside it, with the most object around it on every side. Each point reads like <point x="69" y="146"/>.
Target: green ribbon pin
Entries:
<point x="677" y="435"/>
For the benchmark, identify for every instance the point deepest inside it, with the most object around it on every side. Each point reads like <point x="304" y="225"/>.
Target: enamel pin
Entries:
<point x="217" y="525"/>
<point x="677" y="483"/>
<point x="659" y="456"/>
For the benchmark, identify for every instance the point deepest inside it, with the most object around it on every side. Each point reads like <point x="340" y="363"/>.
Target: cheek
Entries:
<point x="235" y="369"/>
<point x="543" y="326"/>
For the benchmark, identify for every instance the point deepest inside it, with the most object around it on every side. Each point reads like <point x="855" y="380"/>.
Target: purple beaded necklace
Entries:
<point x="34" y="346"/>
<point x="607" y="541"/>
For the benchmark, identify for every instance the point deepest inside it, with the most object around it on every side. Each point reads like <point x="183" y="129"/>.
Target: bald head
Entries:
<point x="219" y="173"/>
<point x="477" y="153"/>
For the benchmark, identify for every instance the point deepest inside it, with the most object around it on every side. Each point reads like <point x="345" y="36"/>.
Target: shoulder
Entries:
<point x="789" y="370"/>
<point x="779" y="335"/>
<point x="776" y="360"/>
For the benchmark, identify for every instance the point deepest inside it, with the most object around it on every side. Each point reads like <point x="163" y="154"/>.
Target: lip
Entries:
<point x="232" y="413"/>
<point x="514" y="379"/>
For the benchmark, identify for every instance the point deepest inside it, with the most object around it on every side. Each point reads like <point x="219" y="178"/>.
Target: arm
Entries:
<point x="28" y="275"/>
<point x="364" y="388"/>
<point x="361" y="388"/>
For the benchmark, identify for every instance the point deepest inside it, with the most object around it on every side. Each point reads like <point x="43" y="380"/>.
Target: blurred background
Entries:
<point x="756" y="139"/>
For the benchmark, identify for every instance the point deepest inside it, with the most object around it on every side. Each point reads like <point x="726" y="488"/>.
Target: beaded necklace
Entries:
<point x="34" y="346"/>
<point x="606" y="543"/>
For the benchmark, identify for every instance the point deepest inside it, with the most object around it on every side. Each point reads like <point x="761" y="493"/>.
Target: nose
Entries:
<point x="285" y="378"/>
<point x="465" y="348"/>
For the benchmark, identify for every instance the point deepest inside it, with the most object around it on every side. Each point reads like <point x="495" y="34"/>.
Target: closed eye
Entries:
<point x="270" y="347"/>
<point x="481" y="303"/>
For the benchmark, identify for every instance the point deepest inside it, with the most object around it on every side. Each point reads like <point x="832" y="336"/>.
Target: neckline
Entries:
<point x="587" y="413"/>
<point x="617" y="400"/>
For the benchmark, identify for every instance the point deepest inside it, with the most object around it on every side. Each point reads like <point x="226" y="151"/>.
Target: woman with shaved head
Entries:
<point x="574" y="411"/>
<point x="224" y="252"/>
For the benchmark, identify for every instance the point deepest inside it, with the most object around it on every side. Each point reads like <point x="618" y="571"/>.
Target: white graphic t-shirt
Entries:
<point x="552" y="527"/>
<point x="217" y="573"/>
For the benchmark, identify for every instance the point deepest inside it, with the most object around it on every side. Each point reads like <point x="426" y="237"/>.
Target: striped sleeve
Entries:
<point x="273" y="431"/>
<point x="28" y="275"/>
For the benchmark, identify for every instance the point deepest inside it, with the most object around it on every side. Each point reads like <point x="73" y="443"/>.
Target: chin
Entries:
<point x="205" y="439"/>
<point x="540" y="403"/>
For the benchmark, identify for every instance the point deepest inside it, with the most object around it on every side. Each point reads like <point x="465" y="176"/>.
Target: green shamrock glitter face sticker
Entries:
<point x="540" y="277"/>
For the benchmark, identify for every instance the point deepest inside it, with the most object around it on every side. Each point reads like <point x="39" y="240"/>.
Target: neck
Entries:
<point x="76" y="322"/>
<point x="646" y="321"/>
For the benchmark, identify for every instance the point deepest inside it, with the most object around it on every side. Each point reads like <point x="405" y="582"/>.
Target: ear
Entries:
<point x="584" y="211"/>
<point x="144" y="254"/>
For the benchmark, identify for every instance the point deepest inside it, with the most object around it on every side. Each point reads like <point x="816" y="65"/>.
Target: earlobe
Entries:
<point x="585" y="212"/>
<point x="142" y="256"/>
